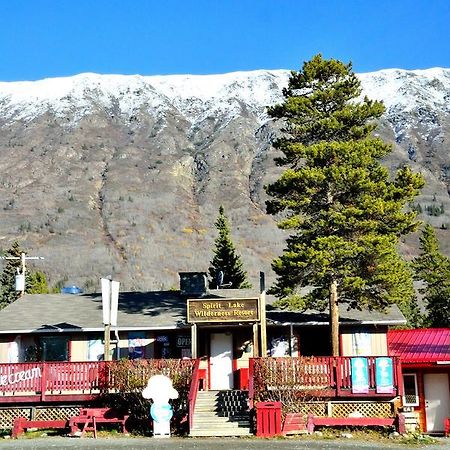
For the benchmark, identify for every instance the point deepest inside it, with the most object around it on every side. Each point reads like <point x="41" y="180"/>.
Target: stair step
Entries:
<point x="217" y="433"/>
<point x="204" y="422"/>
<point x="218" y="419"/>
<point x="221" y="413"/>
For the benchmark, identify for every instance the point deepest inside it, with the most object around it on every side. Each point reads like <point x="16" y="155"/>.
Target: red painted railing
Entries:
<point x="47" y="378"/>
<point x="41" y="381"/>
<point x="193" y="390"/>
<point x="344" y="376"/>
<point x="326" y="375"/>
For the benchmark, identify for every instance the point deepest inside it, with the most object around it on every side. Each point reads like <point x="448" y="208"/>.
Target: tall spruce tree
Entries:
<point x="433" y="268"/>
<point x="226" y="267"/>
<point x="8" y="277"/>
<point x="343" y="209"/>
<point x="37" y="283"/>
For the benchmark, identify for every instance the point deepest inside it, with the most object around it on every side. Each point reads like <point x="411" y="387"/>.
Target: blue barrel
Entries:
<point x="71" y="290"/>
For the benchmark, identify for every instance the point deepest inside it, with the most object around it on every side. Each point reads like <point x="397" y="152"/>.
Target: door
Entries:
<point x="437" y="400"/>
<point x="221" y="361"/>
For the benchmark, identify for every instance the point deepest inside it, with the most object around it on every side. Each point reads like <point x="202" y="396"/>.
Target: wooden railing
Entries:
<point x="323" y="376"/>
<point x="41" y="381"/>
<point x="344" y="376"/>
<point x="51" y="377"/>
<point x="193" y="390"/>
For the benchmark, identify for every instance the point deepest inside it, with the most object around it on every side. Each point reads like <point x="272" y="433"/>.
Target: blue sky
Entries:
<point x="47" y="38"/>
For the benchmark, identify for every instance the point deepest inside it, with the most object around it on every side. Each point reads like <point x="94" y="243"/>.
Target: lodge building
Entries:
<point x="225" y="330"/>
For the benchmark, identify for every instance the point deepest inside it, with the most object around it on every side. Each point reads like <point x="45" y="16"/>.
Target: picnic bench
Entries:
<point x="90" y="417"/>
<point x="21" y="424"/>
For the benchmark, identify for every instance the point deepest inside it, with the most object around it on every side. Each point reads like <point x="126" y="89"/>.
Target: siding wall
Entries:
<point x="378" y="344"/>
<point x="79" y="348"/>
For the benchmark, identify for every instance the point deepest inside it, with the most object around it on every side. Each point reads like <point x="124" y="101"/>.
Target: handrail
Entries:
<point x="315" y="374"/>
<point x="251" y="385"/>
<point x="193" y="390"/>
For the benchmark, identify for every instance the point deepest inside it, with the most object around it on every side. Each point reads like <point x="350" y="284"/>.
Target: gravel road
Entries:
<point x="65" y="443"/>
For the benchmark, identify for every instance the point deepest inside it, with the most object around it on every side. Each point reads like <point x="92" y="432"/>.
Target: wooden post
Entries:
<point x="107" y="343"/>
<point x="334" y="318"/>
<point x="255" y="340"/>
<point x="23" y="273"/>
<point x="291" y="339"/>
<point x="43" y="380"/>
<point x="262" y="313"/>
<point x="194" y="341"/>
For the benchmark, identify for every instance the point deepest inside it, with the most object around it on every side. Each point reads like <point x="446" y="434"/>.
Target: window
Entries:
<point x="411" y="396"/>
<point x="361" y="344"/>
<point x="55" y="348"/>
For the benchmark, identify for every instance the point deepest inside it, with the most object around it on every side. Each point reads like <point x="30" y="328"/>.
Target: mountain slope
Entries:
<point x="124" y="175"/>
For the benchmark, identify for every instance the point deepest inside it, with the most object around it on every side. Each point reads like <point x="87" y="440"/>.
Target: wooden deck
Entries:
<point x="43" y="382"/>
<point x="324" y="377"/>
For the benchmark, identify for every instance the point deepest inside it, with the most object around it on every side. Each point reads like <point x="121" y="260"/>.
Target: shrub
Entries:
<point x="129" y="377"/>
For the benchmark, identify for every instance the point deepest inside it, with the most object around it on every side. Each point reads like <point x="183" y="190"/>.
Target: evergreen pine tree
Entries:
<point x="344" y="211"/>
<point x="37" y="283"/>
<point x="433" y="268"/>
<point x="8" y="277"/>
<point x="226" y="267"/>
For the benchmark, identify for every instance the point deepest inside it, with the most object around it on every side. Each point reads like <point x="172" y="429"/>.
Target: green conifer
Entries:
<point x="8" y="276"/>
<point x="37" y="283"/>
<point x="433" y="268"/>
<point x="343" y="210"/>
<point x="226" y="267"/>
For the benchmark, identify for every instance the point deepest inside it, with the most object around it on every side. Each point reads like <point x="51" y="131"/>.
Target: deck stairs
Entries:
<point x="221" y="413"/>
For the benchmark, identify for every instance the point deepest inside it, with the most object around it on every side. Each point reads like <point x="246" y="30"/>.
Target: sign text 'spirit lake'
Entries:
<point x="229" y="310"/>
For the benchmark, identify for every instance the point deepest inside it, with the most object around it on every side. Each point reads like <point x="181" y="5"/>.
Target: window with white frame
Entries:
<point x="411" y="395"/>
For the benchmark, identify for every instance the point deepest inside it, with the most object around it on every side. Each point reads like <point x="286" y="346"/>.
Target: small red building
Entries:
<point x="425" y="359"/>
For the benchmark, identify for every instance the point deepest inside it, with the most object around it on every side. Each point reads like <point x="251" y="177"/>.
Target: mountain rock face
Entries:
<point x="124" y="175"/>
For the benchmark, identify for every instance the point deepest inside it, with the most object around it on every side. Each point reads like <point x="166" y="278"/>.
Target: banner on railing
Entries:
<point x="19" y="376"/>
<point x="384" y="375"/>
<point x="360" y="376"/>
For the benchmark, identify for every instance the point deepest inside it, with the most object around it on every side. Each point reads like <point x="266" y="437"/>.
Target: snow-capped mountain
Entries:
<point x="196" y="95"/>
<point x="192" y="96"/>
<point x="124" y="174"/>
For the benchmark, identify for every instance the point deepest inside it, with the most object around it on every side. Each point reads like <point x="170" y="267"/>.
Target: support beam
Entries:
<point x="194" y="341"/>
<point x="262" y="313"/>
<point x="107" y="343"/>
<point x="291" y="340"/>
<point x="256" y="353"/>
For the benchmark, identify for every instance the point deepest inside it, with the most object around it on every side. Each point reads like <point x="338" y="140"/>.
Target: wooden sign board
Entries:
<point x="222" y="310"/>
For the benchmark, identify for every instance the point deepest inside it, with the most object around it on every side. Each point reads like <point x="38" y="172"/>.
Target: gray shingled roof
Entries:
<point x="149" y="310"/>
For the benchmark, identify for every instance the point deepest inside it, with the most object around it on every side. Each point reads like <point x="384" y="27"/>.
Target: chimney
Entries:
<point x="193" y="283"/>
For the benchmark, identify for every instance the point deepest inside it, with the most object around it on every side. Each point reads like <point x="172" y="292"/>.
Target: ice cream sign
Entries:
<point x="20" y="376"/>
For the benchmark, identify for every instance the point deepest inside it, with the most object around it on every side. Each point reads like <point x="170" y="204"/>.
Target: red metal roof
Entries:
<point x="424" y="345"/>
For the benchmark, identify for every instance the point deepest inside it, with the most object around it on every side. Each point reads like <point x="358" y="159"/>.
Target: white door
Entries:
<point x="221" y="361"/>
<point x="437" y="400"/>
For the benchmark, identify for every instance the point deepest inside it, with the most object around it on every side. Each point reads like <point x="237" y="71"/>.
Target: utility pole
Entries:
<point x="20" y="282"/>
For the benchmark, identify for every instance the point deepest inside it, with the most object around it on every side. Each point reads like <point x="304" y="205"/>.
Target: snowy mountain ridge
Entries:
<point x="196" y="96"/>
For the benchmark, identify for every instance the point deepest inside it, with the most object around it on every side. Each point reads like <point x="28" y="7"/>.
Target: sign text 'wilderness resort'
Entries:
<point x="22" y="375"/>
<point x="230" y="310"/>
